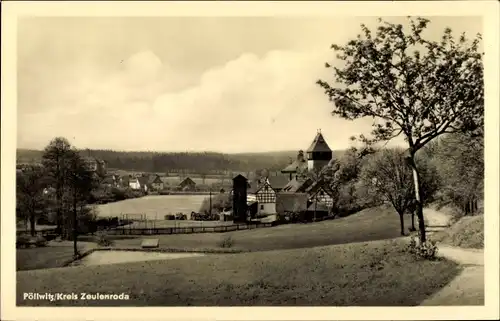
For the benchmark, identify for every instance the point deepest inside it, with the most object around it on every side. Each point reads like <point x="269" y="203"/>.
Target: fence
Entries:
<point x="187" y="230"/>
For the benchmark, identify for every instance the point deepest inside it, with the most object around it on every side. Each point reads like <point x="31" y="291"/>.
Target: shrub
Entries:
<point x="23" y="240"/>
<point x="40" y="241"/>
<point x="226" y="242"/>
<point x="427" y="250"/>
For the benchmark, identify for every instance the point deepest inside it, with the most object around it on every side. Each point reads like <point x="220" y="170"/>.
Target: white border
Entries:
<point x="489" y="10"/>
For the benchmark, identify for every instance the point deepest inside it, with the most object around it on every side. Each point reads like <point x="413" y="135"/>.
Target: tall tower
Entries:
<point x="240" y="184"/>
<point x="319" y="153"/>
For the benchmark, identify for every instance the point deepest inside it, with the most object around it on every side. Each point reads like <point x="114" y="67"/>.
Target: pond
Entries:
<point x="114" y="257"/>
<point x="153" y="207"/>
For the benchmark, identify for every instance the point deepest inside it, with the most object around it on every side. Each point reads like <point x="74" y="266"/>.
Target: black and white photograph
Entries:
<point x="239" y="160"/>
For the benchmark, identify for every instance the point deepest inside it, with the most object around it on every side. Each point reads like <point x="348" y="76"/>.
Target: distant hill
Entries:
<point x="199" y="162"/>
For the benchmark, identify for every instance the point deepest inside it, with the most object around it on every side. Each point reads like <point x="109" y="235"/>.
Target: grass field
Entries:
<point x="358" y="274"/>
<point x="47" y="257"/>
<point x="468" y="232"/>
<point x="370" y="224"/>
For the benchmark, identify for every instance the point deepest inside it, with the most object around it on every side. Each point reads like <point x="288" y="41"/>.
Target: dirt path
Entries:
<point x="436" y="218"/>
<point x="468" y="287"/>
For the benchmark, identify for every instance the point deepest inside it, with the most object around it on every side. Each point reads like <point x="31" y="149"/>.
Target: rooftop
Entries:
<point x="319" y="144"/>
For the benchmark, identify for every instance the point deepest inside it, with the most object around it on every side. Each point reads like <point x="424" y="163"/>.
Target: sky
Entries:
<point x="186" y="83"/>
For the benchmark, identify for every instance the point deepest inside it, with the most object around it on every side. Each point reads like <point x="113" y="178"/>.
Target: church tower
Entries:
<point x="319" y="153"/>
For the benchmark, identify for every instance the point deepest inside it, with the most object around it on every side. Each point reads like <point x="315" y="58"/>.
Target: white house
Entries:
<point x="134" y="183"/>
<point x="266" y="197"/>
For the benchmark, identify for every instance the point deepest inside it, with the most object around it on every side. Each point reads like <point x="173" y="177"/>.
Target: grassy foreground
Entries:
<point x="468" y="232"/>
<point x="358" y="274"/>
<point x="54" y="255"/>
<point x="370" y="224"/>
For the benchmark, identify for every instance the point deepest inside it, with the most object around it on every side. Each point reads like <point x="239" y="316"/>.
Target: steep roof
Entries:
<point x="239" y="177"/>
<point x="319" y="207"/>
<point x="143" y="180"/>
<point x="291" y="202"/>
<point x="298" y="185"/>
<point x="292" y="168"/>
<point x="278" y="182"/>
<point x="155" y="179"/>
<point x="318" y="185"/>
<point x="187" y="181"/>
<point x="319" y="144"/>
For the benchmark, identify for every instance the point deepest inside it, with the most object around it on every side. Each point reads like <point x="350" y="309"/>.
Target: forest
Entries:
<point x="177" y="162"/>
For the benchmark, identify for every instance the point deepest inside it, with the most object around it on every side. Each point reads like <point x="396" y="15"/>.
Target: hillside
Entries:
<point x="200" y="162"/>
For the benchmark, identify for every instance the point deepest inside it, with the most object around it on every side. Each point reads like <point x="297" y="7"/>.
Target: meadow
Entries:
<point x="376" y="273"/>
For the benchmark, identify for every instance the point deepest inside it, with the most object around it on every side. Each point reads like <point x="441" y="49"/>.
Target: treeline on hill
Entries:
<point x="178" y="162"/>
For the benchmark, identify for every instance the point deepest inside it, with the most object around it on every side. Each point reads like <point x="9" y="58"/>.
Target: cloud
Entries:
<point x="250" y="103"/>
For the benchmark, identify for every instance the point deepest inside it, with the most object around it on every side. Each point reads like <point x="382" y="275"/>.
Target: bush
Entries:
<point x="104" y="240"/>
<point x="427" y="250"/>
<point x="226" y="242"/>
<point x="23" y="240"/>
<point x="219" y="203"/>
<point x="40" y="241"/>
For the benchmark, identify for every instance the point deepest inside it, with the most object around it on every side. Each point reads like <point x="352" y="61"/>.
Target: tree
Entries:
<point x="56" y="160"/>
<point x="410" y="86"/>
<point x="390" y="177"/>
<point x="30" y="185"/>
<point x="460" y="160"/>
<point x="80" y="183"/>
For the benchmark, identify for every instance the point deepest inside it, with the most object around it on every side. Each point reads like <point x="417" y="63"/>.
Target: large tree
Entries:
<point x="387" y="175"/>
<point x="30" y="183"/>
<point x="56" y="160"/>
<point x="80" y="185"/>
<point x="410" y="86"/>
<point x="460" y="161"/>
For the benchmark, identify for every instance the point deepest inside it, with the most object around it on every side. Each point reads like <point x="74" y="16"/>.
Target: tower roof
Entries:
<point x="319" y="144"/>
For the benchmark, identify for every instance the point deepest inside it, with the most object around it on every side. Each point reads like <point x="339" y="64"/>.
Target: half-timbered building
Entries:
<point x="266" y="197"/>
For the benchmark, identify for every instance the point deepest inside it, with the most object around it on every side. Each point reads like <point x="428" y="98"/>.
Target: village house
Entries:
<point x="155" y="183"/>
<point x="277" y="182"/>
<point x="134" y="183"/>
<point x="319" y="155"/>
<point x="318" y="196"/>
<point x="266" y="197"/>
<point x="187" y="185"/>
<point x="108" y="181"/>
<point x="296" y="167"/>
<point x="291" y="202"/>
<point x="143" y="183"/>
<point x="139" y="183"/>
<point x="125" y="181"/>
<point x="320" y="193"/>
<point x="117" y="180"/>
<point x="298" y="185"/>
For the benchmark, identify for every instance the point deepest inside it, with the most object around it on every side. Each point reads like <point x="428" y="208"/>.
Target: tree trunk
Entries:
<point x="75" y="230"/>
<point x="413" y="221"/>
<point x="418" y="200"/>
<point x="32" y="223"/>
<point x="58" y="213"/>
<point x="402" y="222"/>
